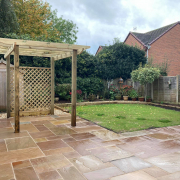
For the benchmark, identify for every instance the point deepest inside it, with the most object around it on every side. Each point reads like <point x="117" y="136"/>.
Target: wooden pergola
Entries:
<point x="55" y="51"/>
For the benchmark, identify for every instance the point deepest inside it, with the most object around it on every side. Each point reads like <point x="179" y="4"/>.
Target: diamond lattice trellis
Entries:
<point x="34" y="87"/>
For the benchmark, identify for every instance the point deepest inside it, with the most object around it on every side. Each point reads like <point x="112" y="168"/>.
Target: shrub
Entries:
<point x="125" y="90"/>
<point x="63" y="91"/>
<point x="133" y="93"/>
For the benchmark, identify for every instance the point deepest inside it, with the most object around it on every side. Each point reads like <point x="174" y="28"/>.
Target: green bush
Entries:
<point x="90" y="85"/>
<point x="62" y="91"/>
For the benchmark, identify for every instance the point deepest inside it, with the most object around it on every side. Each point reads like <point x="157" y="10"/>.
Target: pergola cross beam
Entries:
<point x="11" y="49"/>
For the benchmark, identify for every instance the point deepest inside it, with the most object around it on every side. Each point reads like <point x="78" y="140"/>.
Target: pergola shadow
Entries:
<point x="55" y="51"/>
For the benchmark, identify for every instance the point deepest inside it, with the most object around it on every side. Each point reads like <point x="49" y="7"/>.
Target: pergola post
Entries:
<point x="16" y="90"/>
<point x="52" y="85"/>
<point x="8" y="86"/>
<point x="74" y="87"/>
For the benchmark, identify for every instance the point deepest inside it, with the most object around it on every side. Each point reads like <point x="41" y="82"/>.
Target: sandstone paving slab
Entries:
<point x="58" y="151"/>
<point x="6" y="130"/>
<point x="69" y="139"/>
<point x="58" y="137"/>
<point x="2" y="146"/>
<point x="20" y="155"/>
<point x="98" y="150"/>
<point x="50" y="175"/>
<point x="139" y="175"/>
<point x="52" y="144"/>
<point x="112" y="148"/>
<point x="136" y="133"/>
<point x="167" y="162"/>
<point x="131" y="164"/>
<point x="169" y="130"/>
<point x="113" y="155"/>
<point x="41" y="127"/>
<point x="21" y="164"/>
<point x="6" y="171"/>
<point x="161" y="136"/>
<point x="70" y="172"/>
<point x="81" y="136"/>
<point x="42" y="134"/>
<point x="28" y="127"/>
<point x="103" y="174"/>
<point x="57" y="122"/>
<point x="35" y="118"/>
<point x="11" y="134"/>
<point x="40" y="140"/>
<point x="62" y="130"/>
<point x="70" y="155"/>
<point x="49" y="163"/>
<point x="40" y="122"/>
<point x="20" y="143"/>
<point x="87" y="128"/>
<point x="174" y="176"/>
<point x="5" y="123"/>
<point x="107" y="135"/>
<point x="155" y="172"/>
<point x="82" y="146"/>
<point x="89" y="163"/>
<point x="22" y="174"/>
<point x="109" y="143"/>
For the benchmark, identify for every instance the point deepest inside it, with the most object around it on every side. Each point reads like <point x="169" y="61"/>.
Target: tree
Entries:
<point x="86" y="65"/>
<point x="8" y="20"/>
<point x="145" y="75"/>
<point x="118" y="60"/>
<point x="36" y="19"/>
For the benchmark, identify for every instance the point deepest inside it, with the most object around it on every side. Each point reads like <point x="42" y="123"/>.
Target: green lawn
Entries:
<point x="129" y="117"/>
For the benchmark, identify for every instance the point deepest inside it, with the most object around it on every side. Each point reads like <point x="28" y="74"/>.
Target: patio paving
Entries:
<point x="48" y="148"/>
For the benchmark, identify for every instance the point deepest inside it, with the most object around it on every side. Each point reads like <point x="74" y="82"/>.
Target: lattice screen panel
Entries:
<point x="34" y="87"/>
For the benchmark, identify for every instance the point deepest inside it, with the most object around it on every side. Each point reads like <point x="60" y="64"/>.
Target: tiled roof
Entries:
<point x="151" y="36"/>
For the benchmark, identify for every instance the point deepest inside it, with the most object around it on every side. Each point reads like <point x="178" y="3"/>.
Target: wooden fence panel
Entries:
<point x="35" y="91"/>
<point x="2" y="89"/>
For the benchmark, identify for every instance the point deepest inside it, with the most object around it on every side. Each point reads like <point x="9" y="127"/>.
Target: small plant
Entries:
<point x="148" y="97"/>
<point x="133" y="93"/>
<point x="162" y="102"/>
<point x="125" y="90"/>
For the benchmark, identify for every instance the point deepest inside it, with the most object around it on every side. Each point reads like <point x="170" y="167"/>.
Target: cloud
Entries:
<point x="100" y="21"/>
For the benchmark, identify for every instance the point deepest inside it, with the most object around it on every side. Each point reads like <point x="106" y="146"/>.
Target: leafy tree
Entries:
<point x="145" y="75"/>
<point x="8" y="21"/>
<point x="118" y="60"/>
<point x="86" y="65"/>
<point x="37" y="20"/>
<point x="163" y="66"/>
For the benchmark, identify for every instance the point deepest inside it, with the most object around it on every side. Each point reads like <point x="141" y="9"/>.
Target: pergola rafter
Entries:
<point x="55" y="51"/>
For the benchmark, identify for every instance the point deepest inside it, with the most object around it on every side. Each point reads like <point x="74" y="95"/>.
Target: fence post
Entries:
<point x="8" y="86"/>
<point x="16" y="88"/>
<point x="177" y="88"/>
<point x="52" y="85"/>
<point x="152" y="90"/>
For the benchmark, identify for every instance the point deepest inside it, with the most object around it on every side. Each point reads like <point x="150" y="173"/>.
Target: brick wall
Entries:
<point x="168" y="47"/>
<point x="133" y="42"/>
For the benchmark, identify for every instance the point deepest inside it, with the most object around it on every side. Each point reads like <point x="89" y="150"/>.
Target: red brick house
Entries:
<point x="99" y="49"/>
<point x="160" y="44"/>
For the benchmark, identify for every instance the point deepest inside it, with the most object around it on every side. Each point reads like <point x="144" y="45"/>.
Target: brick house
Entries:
<point x="100" y="48"/>
<point x="160" y="44"/>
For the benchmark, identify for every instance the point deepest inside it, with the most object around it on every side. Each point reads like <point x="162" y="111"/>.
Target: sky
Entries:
<point x="100" y="21"/>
